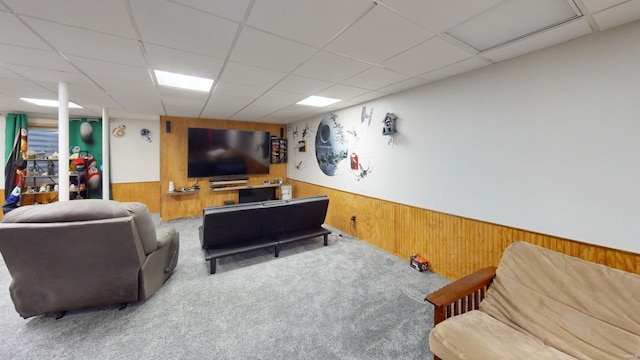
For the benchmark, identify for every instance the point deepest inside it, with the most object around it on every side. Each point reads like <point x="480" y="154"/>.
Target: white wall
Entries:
<point x="134" y="159"/>
<point x="547" y="142"/>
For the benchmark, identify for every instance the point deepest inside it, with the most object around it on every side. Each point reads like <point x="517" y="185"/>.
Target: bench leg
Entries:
<point x="212" y="265"/>
<point x="326" y="239"/>
<point x="277" y="250"/>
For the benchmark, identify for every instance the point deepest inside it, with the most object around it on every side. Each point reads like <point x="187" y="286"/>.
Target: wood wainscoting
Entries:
<point x="455" y="246"/>
<point x="144" y="192"/>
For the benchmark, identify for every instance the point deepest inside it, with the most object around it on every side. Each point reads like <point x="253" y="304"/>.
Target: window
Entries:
<point x="44" y="141"/>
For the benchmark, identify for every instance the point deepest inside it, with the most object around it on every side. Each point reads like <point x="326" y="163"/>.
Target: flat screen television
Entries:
<point x="225" y="153"/>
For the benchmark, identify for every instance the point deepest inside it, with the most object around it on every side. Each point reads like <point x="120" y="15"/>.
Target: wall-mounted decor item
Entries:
<point x="85" y="135"/>
<point x="354" y="133"/>
<point x="364" y="116"/>
<point x="353" y="159"/>
<point x="363" y="172"/>
<point x="120" y="131"/>
<point x="86" y="132"/>
<point x="302" y="146"/>
<point x="389" y="122"/>
<point x="306" y="131"/>
<point x="331" y="144"/>
<point x="146" y="134"/>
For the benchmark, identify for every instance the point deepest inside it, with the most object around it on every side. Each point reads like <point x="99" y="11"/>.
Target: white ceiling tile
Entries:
<point x="427" y="56"/>
<point x="97" y="68"/>
<point x="73" y="41"/>
<point x="140" y="104"/>
<point x="112" y="15"/>
<point x="179" y="27"/>
<point x="455" y="69"/>
<point x="368" y="96"/>
<point x="112" y="86"/>
<point x="342" y="92"/>
<point x="375" y="78"/>
<point x="331" y="67"/>
<point x="14" y="32"/>
<point x="230" y="9"/>
<point x="273" y="100"/>
<point x="258" y="48"/>
<point x="309" y="21"/>
<point x="560" y="34"/>
<point x="49" y="75"/>
<point x="378" y="35"/>
<point x="6" y="74"/>
<point x="89" y="95"/>
<point x="14" y="86"/>
<point x="238" y="90"/>
<point x="32" y="57"/>
<point x="289" y="111"/>
<point x="222" y="106"/>
<point x="250" y="114"/>
<point x="618" y="15"/>
<point x="301" y="85"/>
<point x="183" y="62"/>
<point x="598" y="5"/>
<point x="437" y="15"/>
<point x="250" y="75"/>
<point x="187" y="103"/>
<point x="404" y="85"/>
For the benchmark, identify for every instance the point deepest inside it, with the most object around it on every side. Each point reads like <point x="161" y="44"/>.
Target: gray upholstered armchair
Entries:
<point x="84" y="253"/>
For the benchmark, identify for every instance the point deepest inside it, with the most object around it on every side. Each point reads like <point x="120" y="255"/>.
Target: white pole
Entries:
<point x="63" y="142"/>
<point x="106" y="171"/>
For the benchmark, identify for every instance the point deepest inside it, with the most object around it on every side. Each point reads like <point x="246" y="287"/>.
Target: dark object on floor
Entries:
<point x="419" y="263"/>
<point x="77" y="254"/>
<point x="234" y="229"/>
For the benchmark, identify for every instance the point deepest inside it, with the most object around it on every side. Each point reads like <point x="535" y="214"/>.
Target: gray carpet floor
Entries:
<point x="348" y="300"/>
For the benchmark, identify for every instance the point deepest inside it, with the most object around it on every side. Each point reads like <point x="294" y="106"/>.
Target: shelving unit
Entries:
<point x="278" y="150"/>
<point x="180" y="193"/>
<point x="32" y="181"/>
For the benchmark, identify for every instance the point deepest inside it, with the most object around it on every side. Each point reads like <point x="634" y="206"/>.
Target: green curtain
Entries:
<point x="85" y="135"/>
<point x="15" y="147"/>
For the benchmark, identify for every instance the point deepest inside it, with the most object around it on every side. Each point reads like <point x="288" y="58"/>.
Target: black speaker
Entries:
<point x="168" y="126"/>
<point x="281" y="133"/>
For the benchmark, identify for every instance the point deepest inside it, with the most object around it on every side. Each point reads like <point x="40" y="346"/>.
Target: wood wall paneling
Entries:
<point x="144" y="192"/>
<point x="454" y="246"/>
<point x="173" y="166"/>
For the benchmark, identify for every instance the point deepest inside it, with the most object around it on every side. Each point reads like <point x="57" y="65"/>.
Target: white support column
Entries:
<point x="106" y="171"/>
<point x="63" y="142"/>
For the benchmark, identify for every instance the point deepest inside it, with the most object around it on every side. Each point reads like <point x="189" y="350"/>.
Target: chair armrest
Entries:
<point x="462" y="295"/>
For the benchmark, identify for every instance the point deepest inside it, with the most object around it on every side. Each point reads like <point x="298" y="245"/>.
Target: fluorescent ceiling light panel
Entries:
<point x="512" y="20"/>
<point x="180" y="81"/>
<point x="318" y="101"/>
<point x="50" y="103"/>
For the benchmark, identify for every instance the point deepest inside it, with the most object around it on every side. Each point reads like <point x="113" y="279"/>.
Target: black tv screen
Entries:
<point x="218" y="153"/>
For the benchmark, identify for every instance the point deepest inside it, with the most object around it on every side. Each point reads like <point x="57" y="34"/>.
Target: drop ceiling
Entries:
<point x="264" y="55"/>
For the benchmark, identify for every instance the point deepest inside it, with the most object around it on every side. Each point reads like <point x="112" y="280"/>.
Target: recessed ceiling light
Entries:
<point x="50" y="103"/>
<point x="180" y="81"/>
<point x="513" y="20"/>
<point x="318" y="101"/>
